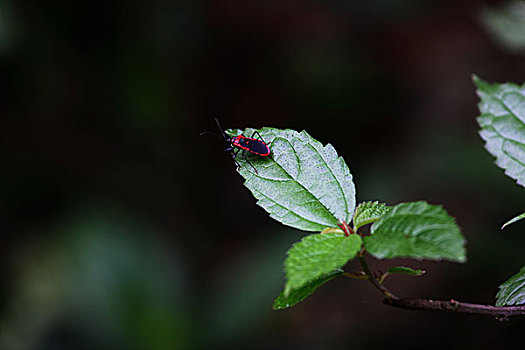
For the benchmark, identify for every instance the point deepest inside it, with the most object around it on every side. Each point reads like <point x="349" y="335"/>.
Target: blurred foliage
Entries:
<point x="98" y="278"/>
<point x="506" y="24"/>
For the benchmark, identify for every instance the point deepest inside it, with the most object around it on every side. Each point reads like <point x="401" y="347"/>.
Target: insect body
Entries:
<point x="251" y="145"/>
<point x="242" y="144"/>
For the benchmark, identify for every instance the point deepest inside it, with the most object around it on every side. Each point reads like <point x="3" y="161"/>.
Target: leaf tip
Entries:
<point x="276" y="306"/>
<point x="462" y="259"/>
<point x="481" y="84"/>
<point x="513" y="220"/>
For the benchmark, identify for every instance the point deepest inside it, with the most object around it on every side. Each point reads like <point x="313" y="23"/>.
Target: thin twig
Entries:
<point x="382" y="278"/>
<point x="502" y="313"/>
<point x="384" y="290"/>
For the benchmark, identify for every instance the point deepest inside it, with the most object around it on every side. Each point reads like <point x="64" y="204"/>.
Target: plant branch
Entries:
<point x="502" y="313"/>
<point x="382" y="278"/>
<point x="384" y="290"/>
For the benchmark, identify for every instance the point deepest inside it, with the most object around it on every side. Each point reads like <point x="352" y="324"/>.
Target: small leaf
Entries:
<point x="316" y="255"/>
<point x="512" y="292"/>
<point x="299" y="294"/>
<point x="502" y="123"/>
<point x="416" y="230"/>
<point x="513" y="220"/>
<point x="406" y="270"/>
<point x="368" y="212"/>
<point x="302" y="183"/>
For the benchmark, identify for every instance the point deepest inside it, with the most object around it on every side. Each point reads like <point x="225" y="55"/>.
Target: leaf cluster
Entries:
<point x="307" y="185"/>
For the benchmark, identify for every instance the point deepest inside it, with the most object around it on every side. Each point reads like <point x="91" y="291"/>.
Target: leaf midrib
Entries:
<point x="295" y="213"/>
<point x="292" y="178"/>
<point x="335" y="178"/>
<point x="506" y="139"/>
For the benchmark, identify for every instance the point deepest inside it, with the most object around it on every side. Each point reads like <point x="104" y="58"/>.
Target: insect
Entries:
<point x="242" y="144"/>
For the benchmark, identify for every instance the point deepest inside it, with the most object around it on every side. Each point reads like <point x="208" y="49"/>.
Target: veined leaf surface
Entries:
<point x="302" y="183"/>
<point x="502" y="123"/>
<point x="512" y="292"/>
<point x="316" y="255"/>
<point x="368" y="212"/>
<point x="416" y="230"/>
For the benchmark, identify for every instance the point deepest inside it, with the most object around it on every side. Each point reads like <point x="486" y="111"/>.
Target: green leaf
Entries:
<point x="513" y="220"/>
<point x="299" y="294"/>
<point x="368" y="212"/>
<point x="316" y="255"/>
<point x="502" y="123"/>
<point x="406" y="270"/>
<point x="416" y="230"/>
<point x="512" y="292"/>
<point x="302" y="183"/>
<point x="401" y="269"/>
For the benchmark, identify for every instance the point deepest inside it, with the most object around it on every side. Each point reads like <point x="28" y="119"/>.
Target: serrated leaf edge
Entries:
<point x="288" y="288"/>
<point x="325" y="278"/>
<point x="512" y="279"/>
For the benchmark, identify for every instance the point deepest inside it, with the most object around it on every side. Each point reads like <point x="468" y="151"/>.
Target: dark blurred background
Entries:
<point x="123" y="228"/>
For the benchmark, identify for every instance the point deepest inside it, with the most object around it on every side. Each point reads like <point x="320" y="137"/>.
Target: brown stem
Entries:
<point x="346" y="228"/>
<point x="502" y="313"/>
<point x="364" y="265"/>
<point x="382" y="278"/>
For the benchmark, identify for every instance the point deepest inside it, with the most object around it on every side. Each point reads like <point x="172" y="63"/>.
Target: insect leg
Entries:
<point x="247" y="161"/>
<point x="256" y="132"/>
<point x="234" y="154"/>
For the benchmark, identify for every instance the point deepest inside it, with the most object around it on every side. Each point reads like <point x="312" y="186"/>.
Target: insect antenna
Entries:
<point x="216" y="135"/>
<point x="209" y="133"/>
<point x="222" y="132"/>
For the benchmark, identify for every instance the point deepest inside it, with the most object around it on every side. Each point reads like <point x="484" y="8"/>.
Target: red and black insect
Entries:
<point x="242" y="144"/>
